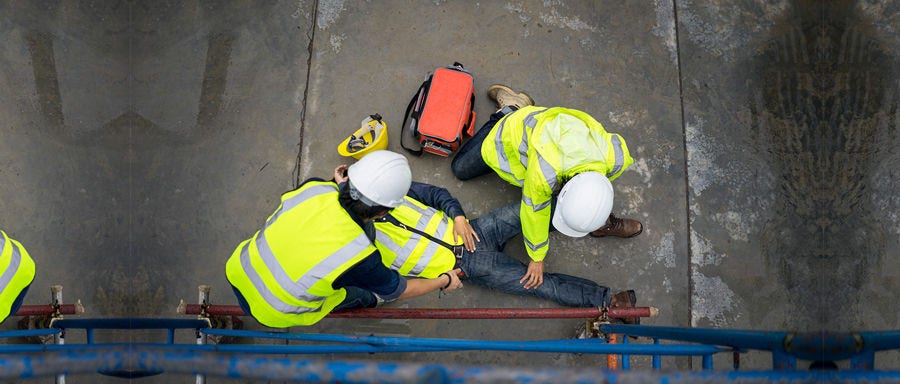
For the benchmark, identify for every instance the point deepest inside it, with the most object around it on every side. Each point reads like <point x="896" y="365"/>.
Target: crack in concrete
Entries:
<point x="311" y="34"/>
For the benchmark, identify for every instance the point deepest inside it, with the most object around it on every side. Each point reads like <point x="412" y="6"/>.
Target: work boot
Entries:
<point x="625" y="299"/>
<point x="619" y="227"/>
<point x="505" y="96"/>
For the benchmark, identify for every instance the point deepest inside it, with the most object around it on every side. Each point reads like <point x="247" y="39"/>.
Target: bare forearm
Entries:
<point x="418" y="287"/>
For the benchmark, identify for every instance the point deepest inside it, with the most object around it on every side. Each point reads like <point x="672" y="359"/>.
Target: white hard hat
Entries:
<point x="583" y="204"/>
<point x="381" y="178"/>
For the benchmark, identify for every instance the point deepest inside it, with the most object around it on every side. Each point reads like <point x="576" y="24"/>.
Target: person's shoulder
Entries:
<point x="319" y="181"/>
<point x="312" y="179"/>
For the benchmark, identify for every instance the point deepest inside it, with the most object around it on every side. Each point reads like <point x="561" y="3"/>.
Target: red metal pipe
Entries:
<point x="451" y="313"/>
<point x="47" y="309"/>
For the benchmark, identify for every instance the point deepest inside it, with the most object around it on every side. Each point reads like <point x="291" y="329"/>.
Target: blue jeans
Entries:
<point x="356" y="298"/>
<point x="468" y="163"/>
<point x="489" y="267"/>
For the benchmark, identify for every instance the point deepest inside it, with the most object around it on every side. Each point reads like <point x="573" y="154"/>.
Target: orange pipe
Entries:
<point x="612" y="360"/>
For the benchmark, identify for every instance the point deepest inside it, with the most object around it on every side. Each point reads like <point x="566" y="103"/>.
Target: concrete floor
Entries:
<point x="142" y="141"/>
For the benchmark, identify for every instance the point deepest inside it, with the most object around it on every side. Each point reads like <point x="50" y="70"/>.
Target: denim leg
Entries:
<point x="468" y="163"/>
<point x="357" y="298"/>
<point x="496" y="227"/>
<point x="497" y="270"/>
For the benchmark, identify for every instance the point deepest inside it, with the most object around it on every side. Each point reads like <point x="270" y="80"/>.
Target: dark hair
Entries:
<point x="358" y="208"/>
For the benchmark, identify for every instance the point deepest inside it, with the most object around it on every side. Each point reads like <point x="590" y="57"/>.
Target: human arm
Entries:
<point x="370" y="274"/>
<point x="437" y="198"/>
<point x="441" y="199"/>
<point x="419" y="287"/>
<point x="534" y="211"/>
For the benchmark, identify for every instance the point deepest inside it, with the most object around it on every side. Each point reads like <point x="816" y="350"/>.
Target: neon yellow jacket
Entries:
<point x="286" y="270"/>
<point x="17" y="273"/>
<point x="539" y="149"/>
<point x="409" y="253"/>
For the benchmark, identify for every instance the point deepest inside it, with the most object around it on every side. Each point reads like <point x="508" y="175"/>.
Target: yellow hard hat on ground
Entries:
<point x="371" y="136"/>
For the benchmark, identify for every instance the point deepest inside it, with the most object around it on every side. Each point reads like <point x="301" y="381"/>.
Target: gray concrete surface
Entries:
<point x="142" y="141"/>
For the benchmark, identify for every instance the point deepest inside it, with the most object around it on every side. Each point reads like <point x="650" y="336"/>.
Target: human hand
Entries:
<point x="461" y="228"/>
<point x="534" y="277"/>
<point x="455" y="283"/>
<point x="340" y="174"/>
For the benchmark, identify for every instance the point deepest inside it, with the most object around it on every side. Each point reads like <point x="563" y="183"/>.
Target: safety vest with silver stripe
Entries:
<point x="525" y="151"/>
<point x="409" y="253"/>
<point x="286" y="270"/>
<point x="17" y="273"/>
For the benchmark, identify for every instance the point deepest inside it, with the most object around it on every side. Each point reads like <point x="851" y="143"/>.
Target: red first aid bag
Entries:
<point x="442" y="110"/>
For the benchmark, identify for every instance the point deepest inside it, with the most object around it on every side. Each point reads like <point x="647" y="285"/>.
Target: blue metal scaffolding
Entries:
<point x="298" y="361"/>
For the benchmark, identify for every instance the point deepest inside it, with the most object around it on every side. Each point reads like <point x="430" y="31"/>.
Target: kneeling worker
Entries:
<point x="550" y="152"/>
<point x="312" y="256"/>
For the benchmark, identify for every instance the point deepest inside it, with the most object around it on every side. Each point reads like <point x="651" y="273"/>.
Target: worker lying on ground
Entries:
<point x="17" y="274"/>
<point x="550" y="151"/>
<point x="419" y="239"/>
<point x="312" y="256"/>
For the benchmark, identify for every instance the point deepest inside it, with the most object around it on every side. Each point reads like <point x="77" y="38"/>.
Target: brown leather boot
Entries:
<point x="506" y="96"/>
<point x="619" y="227"/>
<point x="625" y="299"/>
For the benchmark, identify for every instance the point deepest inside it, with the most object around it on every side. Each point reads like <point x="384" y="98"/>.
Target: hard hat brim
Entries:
<point x="560" y="224"/>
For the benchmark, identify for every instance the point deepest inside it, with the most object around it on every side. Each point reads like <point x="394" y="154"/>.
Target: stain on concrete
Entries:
<point x="702" y="251"/>
<point x="737" y="224"/>
<point x="823" y="102"/>
<point x="328" y="11"/>
<point x="664" y="252"/>
<point x="556" y="19"/>
<point x="703" y="169"/>
<point x="519" y="10"/>
<point x="335" y="41"/>
<point x="215" y="76"/>
<point x="665" y="27"/>
<point x="726" y="27"/>
<point x="712" y="300"/>
<point x="43" y="62"/>
<point x="130" y="292"/>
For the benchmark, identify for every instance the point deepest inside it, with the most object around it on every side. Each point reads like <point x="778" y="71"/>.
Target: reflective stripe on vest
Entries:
<point x="410" y="253"/>
<point x="14" y="261"/>
<point x="619" y="156"/>
<point x="299" y="288"/>
<point x="17" y="275"/>
<point x="503" y="161"/>
<point x="546" y="169"/>
<point x="286" y="270"/>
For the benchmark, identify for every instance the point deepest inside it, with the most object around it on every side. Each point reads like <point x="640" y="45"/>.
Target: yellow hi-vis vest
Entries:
<point x="286" y="270"/>
<point x="17" y="273"/>
<point x="409" y="253"/>
<point x="539" y="149"/>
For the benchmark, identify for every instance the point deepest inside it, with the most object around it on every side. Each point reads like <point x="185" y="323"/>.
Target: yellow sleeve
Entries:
<point x="534" y="210"/>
